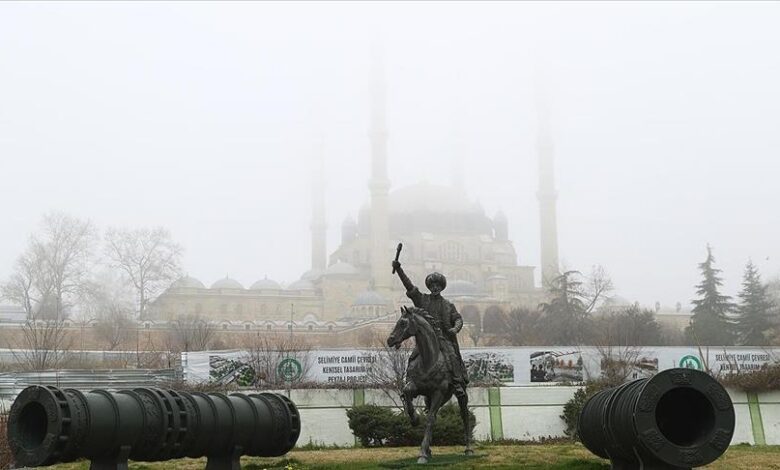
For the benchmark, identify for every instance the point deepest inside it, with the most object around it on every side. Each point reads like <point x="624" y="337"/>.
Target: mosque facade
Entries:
<point x="441" y="229"/>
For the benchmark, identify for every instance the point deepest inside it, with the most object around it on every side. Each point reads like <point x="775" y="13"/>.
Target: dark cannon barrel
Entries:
<point x="678" y="419"/>
<point x="49" y="425"/>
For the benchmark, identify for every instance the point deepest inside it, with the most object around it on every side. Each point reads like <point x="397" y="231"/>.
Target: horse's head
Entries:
<point x="404" y="329"/>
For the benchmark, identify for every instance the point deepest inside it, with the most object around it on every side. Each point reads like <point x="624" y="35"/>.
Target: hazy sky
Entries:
<point x="206" y="118"/>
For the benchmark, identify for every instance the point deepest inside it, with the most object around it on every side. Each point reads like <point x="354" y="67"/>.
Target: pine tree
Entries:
<point x="710" y="324"/>
<point x="754" y="309"/>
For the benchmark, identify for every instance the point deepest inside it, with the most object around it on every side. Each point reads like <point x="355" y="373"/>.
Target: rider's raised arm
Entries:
<point x="402" y="275"/>
<point x="411" y="291"/>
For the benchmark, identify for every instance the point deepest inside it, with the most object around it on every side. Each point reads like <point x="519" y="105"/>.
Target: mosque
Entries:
<point x="441" y="230"/>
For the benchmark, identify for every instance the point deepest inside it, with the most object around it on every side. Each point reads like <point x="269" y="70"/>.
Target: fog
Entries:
<point x="209" y="118"/>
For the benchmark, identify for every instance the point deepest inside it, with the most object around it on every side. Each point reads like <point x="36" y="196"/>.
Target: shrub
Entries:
<point x="6" y="458"/>
<point x="371" y="424"/>
<point x="377" y="426"/>
<point x="573" y="407"/>
<point x="764" y="379"/>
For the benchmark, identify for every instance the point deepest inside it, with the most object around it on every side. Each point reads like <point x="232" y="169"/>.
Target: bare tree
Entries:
<point x="388" y="372"/>
<point x="191" y="333"/>
<point x="43" y="344"/>
<point x="48" y="280"/>
<point x="148" y="257"/>
<point x="50" y="275"/>
<point x="108" y="304"/>
<point x="474" y="332"/>
<point x="598" y="286"/>
<point x="619" y="363"/>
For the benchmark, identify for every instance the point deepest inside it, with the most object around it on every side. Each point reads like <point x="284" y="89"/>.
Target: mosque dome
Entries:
<point x="302" y="284"/>
<point x="187" y="282"/>
<point x="369" y="297"/>
<point x="312" y="274"/>
<point x="462" y="288"/>
<point x="340" y="268"/>
<point x="425" y="207"/>
<point x="428" y="197"/>
<point x="227" y="283"/>
<point x="266" y="284"/>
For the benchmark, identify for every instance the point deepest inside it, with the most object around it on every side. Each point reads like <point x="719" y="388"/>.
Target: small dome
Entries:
<point x="462" y="289"/>
<point x="227" y="283"/>
<point x="312" y="274"/>
<point x="187" y="282"/>
<point x="340" y="268"/>
<point x="301" y="284"/>
<point x="369" y="297"/>
<point x="349" y="222"/>
<point x="500" y="217"/>
<point x="266" y="284"/>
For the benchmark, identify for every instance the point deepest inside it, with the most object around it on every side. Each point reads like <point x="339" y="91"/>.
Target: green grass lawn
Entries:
<point x="533" y="457"/>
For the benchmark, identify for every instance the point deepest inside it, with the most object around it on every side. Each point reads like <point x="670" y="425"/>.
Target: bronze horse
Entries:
<point x="427" y="374"/>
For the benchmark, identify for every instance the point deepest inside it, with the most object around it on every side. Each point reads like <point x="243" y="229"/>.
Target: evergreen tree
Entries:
<point x="565" y="312"/>
<point x="710" y="324"/>
<point x="754" y="309"/>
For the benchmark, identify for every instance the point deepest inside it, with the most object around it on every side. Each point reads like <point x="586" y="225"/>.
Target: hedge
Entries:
<point x="378" y="426"/>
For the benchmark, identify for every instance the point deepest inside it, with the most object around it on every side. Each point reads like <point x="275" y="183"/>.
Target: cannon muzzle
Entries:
<point x="678" y="419"/>
<point x="49" y="425"/>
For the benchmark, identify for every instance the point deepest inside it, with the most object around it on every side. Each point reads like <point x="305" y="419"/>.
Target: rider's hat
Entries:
<point x="437" y="278"/>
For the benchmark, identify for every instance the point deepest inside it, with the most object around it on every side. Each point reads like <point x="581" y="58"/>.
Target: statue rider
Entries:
<point x="447" y="316"/>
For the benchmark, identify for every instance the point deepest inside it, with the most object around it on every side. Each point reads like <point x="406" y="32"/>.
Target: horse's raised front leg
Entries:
<point x="463" y="403"/>
<point x="407" y="396"/>
<point x="425" y="447"/>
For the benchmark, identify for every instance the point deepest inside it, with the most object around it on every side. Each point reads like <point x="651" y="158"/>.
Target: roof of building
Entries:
<point x="340" y="267"/>
<point x="462" y="289"/>
<point x="312" y="274"/>
<point x="430" y="197"/>
<point x="267" y="284"/>
<point x="227" y="283"/>
<point x="187" y="282"/>
<point x="369" y="297"/>
<point x="301" y="284"/>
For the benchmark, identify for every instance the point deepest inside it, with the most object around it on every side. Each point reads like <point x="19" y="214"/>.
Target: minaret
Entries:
<point x="379" y="186"/>
<point x="547" y="194"/>
<point x="318" y="223"/>
<point x="457" y="158"/>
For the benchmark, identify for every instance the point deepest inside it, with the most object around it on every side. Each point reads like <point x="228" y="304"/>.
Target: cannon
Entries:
<point x="678" y="419"/>
<point x="48" y="425"/>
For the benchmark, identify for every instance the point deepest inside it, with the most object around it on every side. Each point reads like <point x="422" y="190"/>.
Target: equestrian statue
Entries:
<point x="435" y="369"/>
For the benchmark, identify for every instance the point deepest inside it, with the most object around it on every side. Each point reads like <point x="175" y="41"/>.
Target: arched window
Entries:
<point x="470" y="314"/>
<point x="461" y="275"/>
<point x="198" y="309"/>
<point x="239" y="309"/>
<point x="451" y="251"/>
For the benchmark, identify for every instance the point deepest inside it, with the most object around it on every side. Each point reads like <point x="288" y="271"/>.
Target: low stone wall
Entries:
<point x="527" y="413"/>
